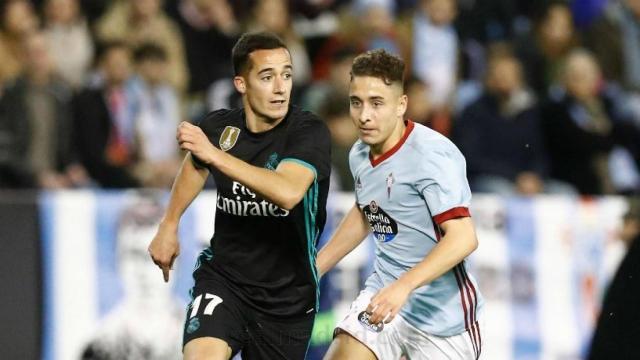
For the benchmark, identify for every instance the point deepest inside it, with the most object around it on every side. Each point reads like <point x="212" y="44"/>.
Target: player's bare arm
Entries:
<point x="350" y="233"/>
<point x="458" y="242"/>
<point x="284" y="187"/>
<point x="164" y="247"/>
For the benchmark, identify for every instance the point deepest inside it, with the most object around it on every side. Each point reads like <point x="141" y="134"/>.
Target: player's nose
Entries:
<point x="278" y="86"/>
<point x="365" y="114"/>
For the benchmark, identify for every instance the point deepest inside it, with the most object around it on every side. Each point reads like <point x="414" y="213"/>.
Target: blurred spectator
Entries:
<point x="36" y="116"/>
<point x="585" y="12"/>
<point x="376" y="22"/>
<point x="582" y="126"/>
<point x="314" y="8"/>
<point x="146" y="321"/>
<point x="347" y="35"/>
<point x="500" y="133"/>
<point x="105" y="130"/>
<point x="487" y="21"/>
<point x="94" y="9"/>
<point x="544" y="52"/>
<point x="69" y="40"/>
<point x="617" y="331"/>
<point x="432" y="51"/>
<point x="156" y="114"/>
<point x="337" y="82"/>
<point x="335" y="111"/>
<point x="420" y="109"/>
<point x="18" y="20"/>
<point x="274" y="16"/>
<point x="615" y="40"/>
<point x="209" y="29"/>
<point x="139" y="21"/>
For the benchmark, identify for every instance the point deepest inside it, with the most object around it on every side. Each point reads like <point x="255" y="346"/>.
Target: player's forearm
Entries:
<point x="187" y="185"/>
<point x="458" y="242"/>
<point x="350" y="233"/>
<point x="270" y="185"/>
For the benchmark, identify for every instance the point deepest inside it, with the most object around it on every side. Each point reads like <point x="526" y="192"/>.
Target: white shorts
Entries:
<point x="399" y="338"/>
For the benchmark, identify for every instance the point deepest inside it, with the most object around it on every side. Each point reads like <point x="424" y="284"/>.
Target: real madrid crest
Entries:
<point x="228" y="138"/>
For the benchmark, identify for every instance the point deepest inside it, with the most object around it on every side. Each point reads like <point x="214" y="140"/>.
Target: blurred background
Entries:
<point x="542" y="97"/>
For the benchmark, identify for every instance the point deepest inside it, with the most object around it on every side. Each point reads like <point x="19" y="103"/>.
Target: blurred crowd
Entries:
<point x="540" y="96"/>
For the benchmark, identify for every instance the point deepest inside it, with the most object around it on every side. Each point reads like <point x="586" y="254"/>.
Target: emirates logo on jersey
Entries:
<point x="383" y="227"/>
<point x="244" y="202"/>
<point x="228" y="138"/>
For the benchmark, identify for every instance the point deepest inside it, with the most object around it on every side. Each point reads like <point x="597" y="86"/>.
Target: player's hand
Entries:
<point x="164" y="249"/>
<point x="386" y="304"/>
<point x="192" y="138"/>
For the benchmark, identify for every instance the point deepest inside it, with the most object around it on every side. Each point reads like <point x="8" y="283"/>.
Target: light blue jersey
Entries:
<point x="405" y="195"/>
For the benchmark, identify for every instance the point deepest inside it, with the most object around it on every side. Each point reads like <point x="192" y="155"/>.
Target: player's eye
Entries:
<point x="377" y="104"/>
<point x="287" y="76"/>
<point x="355" y="103"/>
<point x="266" y="78"/>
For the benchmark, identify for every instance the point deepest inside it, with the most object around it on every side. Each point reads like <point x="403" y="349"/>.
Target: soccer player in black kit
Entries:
<point x="256" y="285"/>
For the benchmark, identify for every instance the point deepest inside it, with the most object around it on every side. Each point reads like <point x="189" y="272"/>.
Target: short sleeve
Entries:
<point x="207" y="125"/>
<point x="309" y="143"/>
<point x="443" y="184"/>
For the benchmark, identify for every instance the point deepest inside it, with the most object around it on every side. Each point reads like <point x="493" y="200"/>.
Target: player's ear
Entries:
<point x="402" y="105"/>
<point x="240" y="84"/>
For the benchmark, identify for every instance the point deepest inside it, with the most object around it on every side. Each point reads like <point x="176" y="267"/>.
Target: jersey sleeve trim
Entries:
<point x="454" y="213"/>
<point x="303" y="163"/>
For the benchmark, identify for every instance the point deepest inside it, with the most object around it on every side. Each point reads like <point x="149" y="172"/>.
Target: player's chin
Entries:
<point x="274" y="115"/>
<point x="368" y="139"/>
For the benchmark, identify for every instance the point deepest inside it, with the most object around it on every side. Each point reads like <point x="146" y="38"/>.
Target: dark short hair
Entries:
<point x="104" y="48"/>
<point x="149" y="51"/>
<point x="380" y="64"/>
<point x="250" y="42"/>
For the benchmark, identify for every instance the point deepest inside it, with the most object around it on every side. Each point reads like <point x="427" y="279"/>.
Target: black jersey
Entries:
<point x="266" y="253"/>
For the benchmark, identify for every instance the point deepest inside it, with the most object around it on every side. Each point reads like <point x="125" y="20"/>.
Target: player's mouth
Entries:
<point x="278" y="102"/>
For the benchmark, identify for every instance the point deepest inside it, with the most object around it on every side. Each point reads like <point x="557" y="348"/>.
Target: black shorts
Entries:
<point x="219" y="313"/>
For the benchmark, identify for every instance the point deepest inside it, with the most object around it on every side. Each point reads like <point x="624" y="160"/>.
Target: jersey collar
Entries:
<point x="407" y="131"/>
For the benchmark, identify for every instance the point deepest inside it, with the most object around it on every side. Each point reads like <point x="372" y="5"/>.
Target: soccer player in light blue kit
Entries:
<point x="412" y="195"/>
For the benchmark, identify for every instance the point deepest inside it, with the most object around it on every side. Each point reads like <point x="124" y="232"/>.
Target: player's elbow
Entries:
<point x="473" y="243"/>
<point x="289" y="200"/>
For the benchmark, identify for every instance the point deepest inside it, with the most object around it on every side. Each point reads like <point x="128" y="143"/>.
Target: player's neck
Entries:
<point x="380" y="149"/>
<point x="257" y="123"/>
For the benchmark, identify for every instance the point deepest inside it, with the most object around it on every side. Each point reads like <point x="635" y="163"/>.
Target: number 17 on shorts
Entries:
<point x="208" y="302"/>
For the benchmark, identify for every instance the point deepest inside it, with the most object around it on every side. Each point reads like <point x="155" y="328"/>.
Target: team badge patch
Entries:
<point x="363" y="317"/>
<point x="373" y="206"/>
<point x="229" y="137"/>
<point x="272" y="162"/>
<point x="194" y="324"/>
<point x="390" y="181"/>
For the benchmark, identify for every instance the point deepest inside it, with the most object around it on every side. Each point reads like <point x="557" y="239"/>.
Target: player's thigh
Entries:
<point x="345" y="346"/>
<point x="276" y="338"/>
<point x="207" y="348"/>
